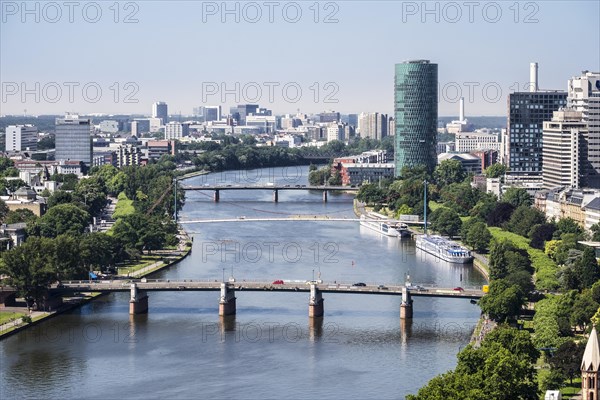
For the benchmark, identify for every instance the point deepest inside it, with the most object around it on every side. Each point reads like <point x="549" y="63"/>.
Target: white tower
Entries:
<point x="533" y="77"/>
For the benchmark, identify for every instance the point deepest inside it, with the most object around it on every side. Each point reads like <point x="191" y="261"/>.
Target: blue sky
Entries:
<point x="182" y="52"/>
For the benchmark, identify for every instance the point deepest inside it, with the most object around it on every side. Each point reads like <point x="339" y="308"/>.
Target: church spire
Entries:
<point x="591" y="356"/>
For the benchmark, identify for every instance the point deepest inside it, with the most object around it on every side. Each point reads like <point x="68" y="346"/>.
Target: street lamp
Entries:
<point x="223" y="274"/>
<point x="313" y="275"/>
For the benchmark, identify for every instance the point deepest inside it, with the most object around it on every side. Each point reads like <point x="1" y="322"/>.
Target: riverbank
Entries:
<point x="170" y="258"/>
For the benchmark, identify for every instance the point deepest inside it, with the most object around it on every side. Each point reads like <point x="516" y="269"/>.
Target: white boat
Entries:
<point x="443" y="248"/>
<point x="383" y="225"/>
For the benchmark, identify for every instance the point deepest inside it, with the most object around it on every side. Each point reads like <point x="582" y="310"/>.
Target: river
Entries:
<point x="270" y="349"/>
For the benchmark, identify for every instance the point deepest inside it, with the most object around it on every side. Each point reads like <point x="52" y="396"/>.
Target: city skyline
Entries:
<point x="335" y="66"/>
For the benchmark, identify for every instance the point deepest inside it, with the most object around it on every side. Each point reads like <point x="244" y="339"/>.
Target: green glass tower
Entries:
<point x="415" y="106"/>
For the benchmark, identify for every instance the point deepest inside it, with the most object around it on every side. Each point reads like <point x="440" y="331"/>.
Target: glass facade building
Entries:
<point x="527" y="112"/>
<point x="416" y="113"/>
<point x="74" y="139"/>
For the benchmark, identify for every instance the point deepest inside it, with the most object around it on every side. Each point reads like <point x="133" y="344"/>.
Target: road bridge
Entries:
<point x="275" y="188"/>
<point x="227" y="302"/>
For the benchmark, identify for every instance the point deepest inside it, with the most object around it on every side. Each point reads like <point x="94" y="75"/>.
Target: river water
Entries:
<point x="270" y="349"/>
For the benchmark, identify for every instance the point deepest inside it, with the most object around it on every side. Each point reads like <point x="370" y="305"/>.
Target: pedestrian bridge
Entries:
<point x="227" y="303"/>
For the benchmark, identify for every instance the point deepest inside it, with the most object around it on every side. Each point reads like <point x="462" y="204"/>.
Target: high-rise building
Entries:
<point x="240" y="112"/>
<point x="21" y="138"/>
<point x="73" y="139"/>
<point x="527" y="112"/>
<point x="160" y="110"/>
<point x="584" y="96"/>
<point x="416" y="112"/>
<point x="335" y="131"/>
<point x="373" y="125"/>
<point x="208" y="113"/>
<point x="565" y="150"/>
<point x="353" y="120"/>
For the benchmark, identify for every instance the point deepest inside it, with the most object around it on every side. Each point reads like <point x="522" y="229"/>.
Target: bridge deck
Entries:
<point x="278" y="187"/>
<point x="191" y="285"/>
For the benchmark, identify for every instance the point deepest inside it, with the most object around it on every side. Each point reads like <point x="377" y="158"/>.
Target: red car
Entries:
<point x="459" y="289"/>
<point x="278" y="282"/>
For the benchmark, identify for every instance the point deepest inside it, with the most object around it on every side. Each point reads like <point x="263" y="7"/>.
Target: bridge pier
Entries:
<point x="324" y="196"/>
<point x="315" y="302"/>
<point x="138" y="304"/>
<point x="216" y="196"/>
<point x="276" y="196"/>
<point x="227" y="300"/>
<point x="406" y="307"/>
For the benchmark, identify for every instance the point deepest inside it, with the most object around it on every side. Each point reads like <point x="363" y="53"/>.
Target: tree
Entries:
<point x="523" y="219"/>
<point x="506" y="258"/>
<point x="370" y="193"/>
<point x="29" y="268"/>
<point x="478" y="237"/>
<point x="540" y="233"/>
<point x="448" y="172"/>
<point x="583" y="309"/>
<point x="461" y="197"/>
<point x="587" y="268"/>
<point x="59" y="197"/>
<point x="3" y="210"/>
<point x="595" y="232"/>
<point x="98" y="251"/>
<point x="20" y="215"/>
<point x="567" y="359"/>
<point x="503" y="301"/>
<point x="500" y="214"/>
<point x="446" y="222"/>
<point x="517" y="197"/>
<point x="568" y="225"/>
<point x="495" y="170"/>
<point x="62" y="219"/>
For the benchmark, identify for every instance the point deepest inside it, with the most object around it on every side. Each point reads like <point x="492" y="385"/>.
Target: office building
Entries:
<point x="160" y="110"/>
<point x="467" y="142"/>
<point x="73" y="139"/>
<point x="139" y="127"/>
<point x="416" y="113"/>
<point x="329" y="116"/>
<point x="527" y="112"/>
<point x="335" y="131"/>
<point x="583" y="95"/>
<point x="470" y="162"/>
<point x="21" y="138"/>
<point x="109" y="126"/>
<point x="241" y="111"/>
<point x="353" y="120"/>
<point x="565" y="150"/>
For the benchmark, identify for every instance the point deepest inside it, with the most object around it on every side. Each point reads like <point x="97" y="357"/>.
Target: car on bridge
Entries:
<point x="458" y="289"/>
<point x="381" y="287"/>
<point x="360" y="284"/>
<point x="278" y="282"/>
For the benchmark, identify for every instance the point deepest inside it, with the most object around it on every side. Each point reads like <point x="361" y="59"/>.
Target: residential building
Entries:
<point x="335" y="131"/>
<point x="128" y="155"/>
<point x="176" y="130"/>
<point x="565" y="150"/>
<point x="583" y="95"/>
<point x="21" y="138"/>
<point x="373" y="125"/>
<point x="73" y="139"/>
<point x="157" y="148"/>
<point x="160" y="110"/>
<point x="25" y="198"/>
<point x="416" y="113"/>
